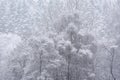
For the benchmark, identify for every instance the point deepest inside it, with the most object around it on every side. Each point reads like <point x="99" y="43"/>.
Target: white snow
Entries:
<point x="8" y="42"/>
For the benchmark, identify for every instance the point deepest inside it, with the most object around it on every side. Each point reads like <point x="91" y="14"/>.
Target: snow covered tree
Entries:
<point x="78" y="50"/>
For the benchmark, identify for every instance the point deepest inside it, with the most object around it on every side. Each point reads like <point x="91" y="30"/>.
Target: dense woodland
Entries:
<point x="59" y="40"/>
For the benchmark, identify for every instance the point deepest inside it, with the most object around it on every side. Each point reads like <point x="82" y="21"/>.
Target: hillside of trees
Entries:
<point x="59" y="40"/>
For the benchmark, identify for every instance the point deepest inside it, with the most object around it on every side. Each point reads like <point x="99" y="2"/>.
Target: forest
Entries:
<point x="59" y="40"/>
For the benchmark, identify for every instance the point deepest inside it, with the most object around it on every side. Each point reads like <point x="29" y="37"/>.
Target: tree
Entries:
<point x="78" y="51"/>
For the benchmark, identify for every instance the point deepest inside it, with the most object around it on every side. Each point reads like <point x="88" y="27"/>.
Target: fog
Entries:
<point x="59" y="40"/>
